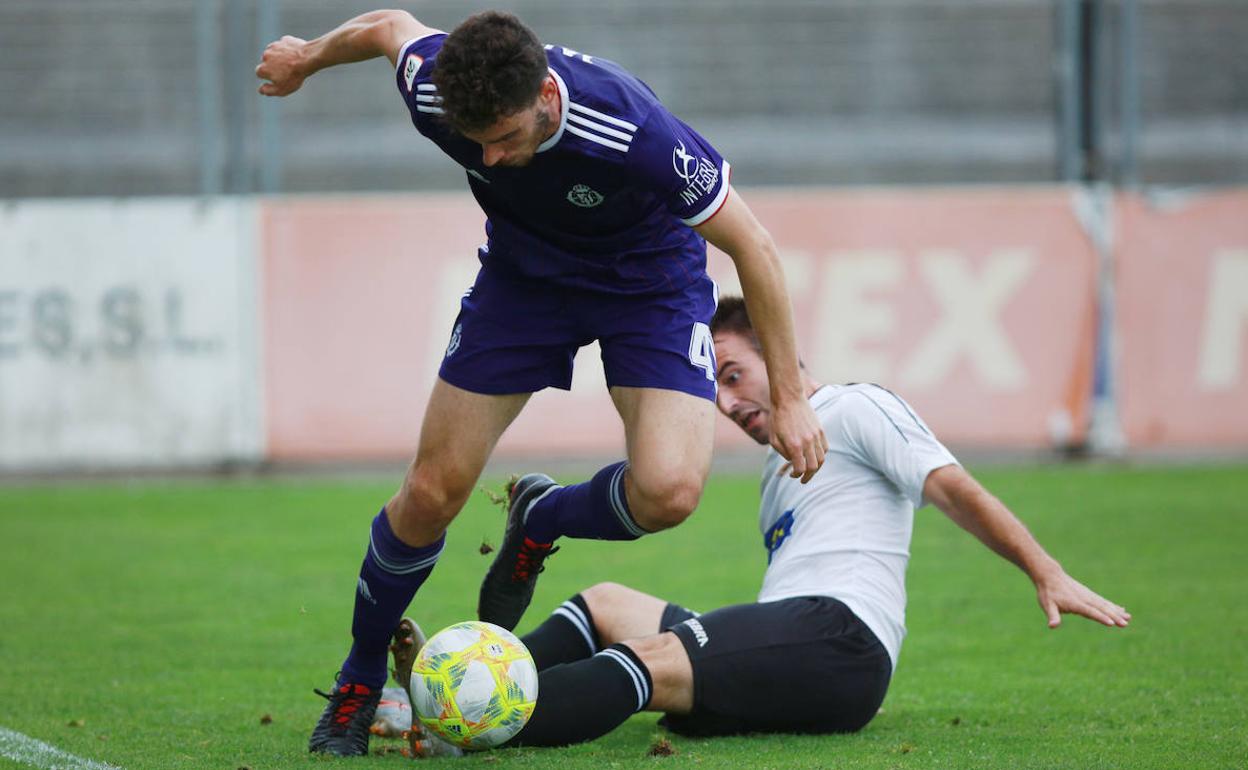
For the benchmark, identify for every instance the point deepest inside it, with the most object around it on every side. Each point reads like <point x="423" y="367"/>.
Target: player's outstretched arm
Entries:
<point x="287" y="62"/>
<point x="795" y="430"/>
<point x="963" y="499"/>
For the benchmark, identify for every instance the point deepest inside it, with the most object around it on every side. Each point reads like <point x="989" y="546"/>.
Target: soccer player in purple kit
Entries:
<point x="599" y="203"/>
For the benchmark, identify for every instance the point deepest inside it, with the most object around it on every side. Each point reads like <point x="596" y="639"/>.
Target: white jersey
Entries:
<point x="846" y="533"/>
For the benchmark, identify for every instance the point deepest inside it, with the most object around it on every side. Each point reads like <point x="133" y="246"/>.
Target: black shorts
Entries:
<point x="801" y="665"/>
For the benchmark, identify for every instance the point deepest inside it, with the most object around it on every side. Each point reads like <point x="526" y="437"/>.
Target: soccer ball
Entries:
<point x="474" y="684"/>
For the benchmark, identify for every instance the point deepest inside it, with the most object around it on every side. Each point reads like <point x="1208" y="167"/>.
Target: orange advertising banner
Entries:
<point x="1182" y="301"/>
<point x="976" y="305"/>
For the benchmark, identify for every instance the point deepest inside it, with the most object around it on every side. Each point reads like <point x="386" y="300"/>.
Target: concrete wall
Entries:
<point x="128" y="334"/>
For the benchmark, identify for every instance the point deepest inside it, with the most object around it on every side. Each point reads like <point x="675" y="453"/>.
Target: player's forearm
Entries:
<point x="736" y="231"/>
<point x="364" y="37"/>
<point x="979" y="512"/>
<point x="767" y="301"/>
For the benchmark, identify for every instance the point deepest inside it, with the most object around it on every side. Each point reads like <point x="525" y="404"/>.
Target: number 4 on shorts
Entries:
<point x="702" y="350"/>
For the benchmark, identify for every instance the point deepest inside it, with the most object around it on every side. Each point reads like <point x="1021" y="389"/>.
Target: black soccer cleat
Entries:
<point x="508" y="585"/>
<point x="344" y="727"/>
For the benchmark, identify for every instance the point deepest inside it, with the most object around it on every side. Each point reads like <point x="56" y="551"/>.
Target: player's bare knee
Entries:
<point x="433" y="496"/>
<point x="601" y="596"/>
<point x="668" y="503"/>
<point x="606" y="602"/>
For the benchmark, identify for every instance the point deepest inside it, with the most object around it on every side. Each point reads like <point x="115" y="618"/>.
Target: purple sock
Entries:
<point x="391" y="573"/>
<point x="596" y="510"/>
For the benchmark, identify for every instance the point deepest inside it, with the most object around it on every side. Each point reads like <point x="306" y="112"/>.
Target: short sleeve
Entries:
<point x="884" y="433"/>
<point x="412" y="71"/>
<point x="672" y="161"/>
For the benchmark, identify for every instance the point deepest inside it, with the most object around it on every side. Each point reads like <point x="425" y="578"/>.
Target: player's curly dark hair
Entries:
<point x="490" y="66"/>
<point x="731" y="316"/>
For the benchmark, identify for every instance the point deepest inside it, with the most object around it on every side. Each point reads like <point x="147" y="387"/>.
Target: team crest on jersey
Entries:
<point x="778" y="533"/>
<point x="409" y="69"/>
<point x="584" y="196"/>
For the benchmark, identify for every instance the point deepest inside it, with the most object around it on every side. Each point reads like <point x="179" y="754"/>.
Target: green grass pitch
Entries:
<point x="153" y="625"/>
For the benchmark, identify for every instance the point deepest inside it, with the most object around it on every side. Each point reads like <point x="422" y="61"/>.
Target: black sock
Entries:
<point x="581" y="701"/>
<point x="567" y="635"/>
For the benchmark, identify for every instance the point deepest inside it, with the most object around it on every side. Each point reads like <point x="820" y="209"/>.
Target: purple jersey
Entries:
<point x="608" y="201"/>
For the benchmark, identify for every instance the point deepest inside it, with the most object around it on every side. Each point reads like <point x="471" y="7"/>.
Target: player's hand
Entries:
<point x="1060" y="593"/>
<point x="281" y="65"/>
<point x="798" y="437"/>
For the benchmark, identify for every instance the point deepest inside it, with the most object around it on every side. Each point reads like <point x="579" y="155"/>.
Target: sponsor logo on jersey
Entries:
<point x="453" y="345"/>
<point x="779" y="532"/>
<point x="410" y="69"/>
<point x="584" y="196"/>
<point x="699" y="632"/>
<point x="699" y="174"/>
<point x="684" y="163"/>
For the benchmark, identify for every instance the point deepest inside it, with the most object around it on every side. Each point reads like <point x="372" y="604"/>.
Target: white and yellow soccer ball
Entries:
<point x="474" y="684"/>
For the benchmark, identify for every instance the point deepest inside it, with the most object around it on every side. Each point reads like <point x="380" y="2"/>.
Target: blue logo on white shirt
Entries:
<point x="779" y="532"/>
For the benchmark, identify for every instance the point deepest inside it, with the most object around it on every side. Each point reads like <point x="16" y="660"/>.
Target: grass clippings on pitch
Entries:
<point x="158" y="625"/>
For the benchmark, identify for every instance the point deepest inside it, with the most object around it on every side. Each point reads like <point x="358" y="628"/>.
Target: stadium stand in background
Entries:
<point x="156" y="97"/>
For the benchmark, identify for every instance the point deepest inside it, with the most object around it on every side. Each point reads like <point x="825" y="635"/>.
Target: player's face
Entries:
<point x="514" y="139"/>
<point x="744" y="392"/>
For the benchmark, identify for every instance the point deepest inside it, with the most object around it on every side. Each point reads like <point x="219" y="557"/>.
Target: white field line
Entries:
<point x="36" y="753"/>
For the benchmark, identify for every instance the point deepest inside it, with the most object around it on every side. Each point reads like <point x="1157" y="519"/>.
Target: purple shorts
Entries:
<point x="519" y="336"/>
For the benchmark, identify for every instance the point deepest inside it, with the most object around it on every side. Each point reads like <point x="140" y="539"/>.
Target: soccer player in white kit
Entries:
<point x="823" y="639"/>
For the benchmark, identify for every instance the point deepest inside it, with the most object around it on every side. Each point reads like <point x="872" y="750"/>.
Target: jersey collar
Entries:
<point x="563" y="117"/>
<point x="822" y="396"/>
